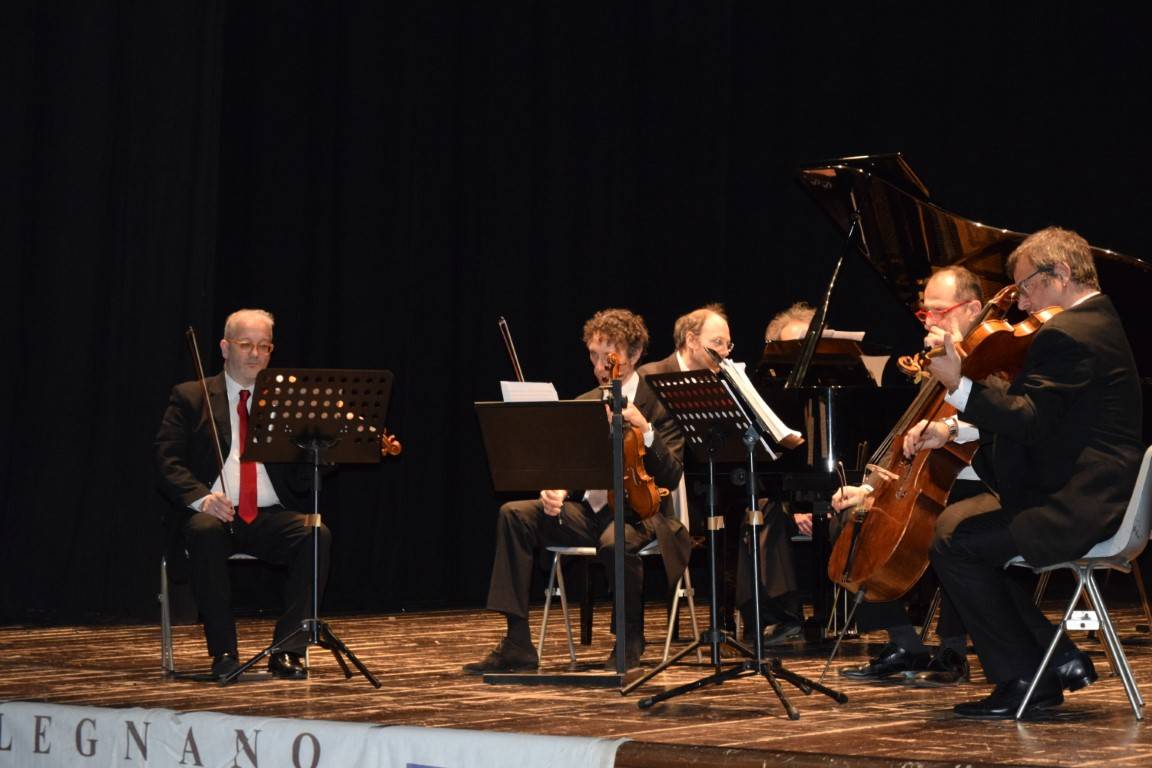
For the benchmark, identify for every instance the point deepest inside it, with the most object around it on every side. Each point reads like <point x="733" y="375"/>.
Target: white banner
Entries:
<point x="55" y="735"/>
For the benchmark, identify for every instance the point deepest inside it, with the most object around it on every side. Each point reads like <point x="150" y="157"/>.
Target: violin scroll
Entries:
<point x="389" y="445"/>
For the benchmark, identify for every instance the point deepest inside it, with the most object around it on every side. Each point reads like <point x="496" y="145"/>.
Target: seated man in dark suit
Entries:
<point x="694" y="334"/>
<point x="259" y="513"/>
<point x="1061" y="446"/>
<point x="560" y="517"/>
<point x="952" y="303"/>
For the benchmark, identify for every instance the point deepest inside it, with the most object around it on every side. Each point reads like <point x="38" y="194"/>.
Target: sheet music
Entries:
<point x="829" y="333"/>
<point x="528" y="391"/>
<point x="780" y="432"/>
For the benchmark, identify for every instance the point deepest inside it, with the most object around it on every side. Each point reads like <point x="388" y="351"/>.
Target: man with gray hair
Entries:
<point x="694" y="334"/>
<point x="250" y="507"/>
<point x="1060" y="445"/>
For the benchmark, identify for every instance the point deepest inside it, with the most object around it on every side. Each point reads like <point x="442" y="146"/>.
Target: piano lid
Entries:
<point x="906" y="237"/>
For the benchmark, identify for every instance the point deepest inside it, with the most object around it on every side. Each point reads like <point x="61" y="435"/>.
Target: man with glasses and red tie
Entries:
<point x="254" y="510"/>
<point x="1061" y="445"/>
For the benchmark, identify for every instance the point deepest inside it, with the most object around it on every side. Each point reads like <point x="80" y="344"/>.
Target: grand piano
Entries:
<point x="884" y="212"/>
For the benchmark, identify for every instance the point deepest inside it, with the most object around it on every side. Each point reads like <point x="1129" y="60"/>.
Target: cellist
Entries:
<point x="1061" y="446"/>
<point x="952" y="302"/>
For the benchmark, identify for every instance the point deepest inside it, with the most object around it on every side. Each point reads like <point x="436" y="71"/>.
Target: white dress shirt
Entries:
<point x="265" y="493"/>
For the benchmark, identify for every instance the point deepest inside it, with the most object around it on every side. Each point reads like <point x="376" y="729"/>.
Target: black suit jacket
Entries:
<point x="186" y="456"/>
<point x="1066" y="441"/>
<point x="668" y="365"/>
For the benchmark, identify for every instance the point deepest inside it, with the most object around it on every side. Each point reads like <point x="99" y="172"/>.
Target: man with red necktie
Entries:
<point x="255" y="510"/>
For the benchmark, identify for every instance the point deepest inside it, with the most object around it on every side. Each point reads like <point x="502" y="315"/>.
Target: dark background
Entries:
<point x="389" y="179"/>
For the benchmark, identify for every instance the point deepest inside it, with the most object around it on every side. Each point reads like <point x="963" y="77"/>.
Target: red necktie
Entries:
<point x="247" y="468"/>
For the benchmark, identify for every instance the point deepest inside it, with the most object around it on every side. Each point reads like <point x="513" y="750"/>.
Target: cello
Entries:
<point x="883" y="546"/>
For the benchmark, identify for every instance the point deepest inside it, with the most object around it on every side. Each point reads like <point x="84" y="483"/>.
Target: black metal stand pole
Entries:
<point x="772" y="670"/>
<point x="712" y="636"/>
<point x="318" y="631"/>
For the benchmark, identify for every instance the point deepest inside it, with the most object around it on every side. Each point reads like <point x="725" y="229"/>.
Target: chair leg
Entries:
<point x="1052" y="645"/>
<point x="691" y="593"/>
<point x="564" y="607"/>
<point x="547" y="605"/>
<point x="930" y="616"/>
<point x="1113" y="640"/>
<point x="1143" y="595"/>
<point x="167" y="660"/>
<point x="1092" y="633"/>
<point x="673" y="612"/>
<point x="1041" y="587"/>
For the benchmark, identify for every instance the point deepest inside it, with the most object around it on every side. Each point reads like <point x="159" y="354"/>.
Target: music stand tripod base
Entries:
<point x="725" y="416"/>
<point x="304" y="414"/>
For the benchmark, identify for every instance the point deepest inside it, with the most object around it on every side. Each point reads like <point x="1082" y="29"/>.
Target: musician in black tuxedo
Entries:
<point x="584" y="518"/>
<point x="1061" y="445"/>
<point x="952" y="303"/>
<point x="258" y="516"/>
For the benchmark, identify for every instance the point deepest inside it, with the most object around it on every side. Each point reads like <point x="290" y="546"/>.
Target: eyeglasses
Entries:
<point x="923" y="314"/>
<point x="719" y="345"/>
<point x="246" y="347"/>
<point x="1022" y="286"/>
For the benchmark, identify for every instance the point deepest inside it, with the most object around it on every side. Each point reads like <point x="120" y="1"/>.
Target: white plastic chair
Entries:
<point x="1117" y="554"/>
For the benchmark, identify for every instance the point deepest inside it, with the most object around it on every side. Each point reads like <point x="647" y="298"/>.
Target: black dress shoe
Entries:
<point x="892" y="660"/>
<point x="505" y="657"/>
<point x="784" y="633"/>
<point x="224" y="665"/>
<point x="287" y="665"/>
<point x="946" y="668"/>
<point x="1006" y="697"/>
<point x="633" y="650"/>
<point x="1077" y="672"/>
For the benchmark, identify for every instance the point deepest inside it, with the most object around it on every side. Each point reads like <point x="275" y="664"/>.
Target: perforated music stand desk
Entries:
<point x="343" y="409"/>
<point x="316" y="416"/>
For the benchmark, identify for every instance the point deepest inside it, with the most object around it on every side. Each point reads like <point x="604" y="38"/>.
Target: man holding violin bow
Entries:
<point x="585" y="518"/>
<point x="1061" y="445"/>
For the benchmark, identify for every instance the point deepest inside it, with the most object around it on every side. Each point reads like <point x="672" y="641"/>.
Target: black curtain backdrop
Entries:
<point x="390" y="179"/>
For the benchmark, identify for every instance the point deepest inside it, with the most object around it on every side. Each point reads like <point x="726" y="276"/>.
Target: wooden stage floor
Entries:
<point x="417" y="656"/>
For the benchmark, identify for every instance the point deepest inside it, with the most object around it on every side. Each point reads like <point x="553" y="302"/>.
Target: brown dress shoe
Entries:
<point x="505" y="657"/>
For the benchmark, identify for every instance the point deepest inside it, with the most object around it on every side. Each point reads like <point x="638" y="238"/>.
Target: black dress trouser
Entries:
<point x="276" y="536"/>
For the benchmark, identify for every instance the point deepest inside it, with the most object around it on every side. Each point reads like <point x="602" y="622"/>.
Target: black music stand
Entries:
<point x="558" y="444"/>
<point x="324" y="417"/>
<point x="715" y="412"/>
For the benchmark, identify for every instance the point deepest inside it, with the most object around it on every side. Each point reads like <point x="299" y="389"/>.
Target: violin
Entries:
<point x="640" y="489"/>
<point x="389" y="445"/>
<point x="883" y="547"/>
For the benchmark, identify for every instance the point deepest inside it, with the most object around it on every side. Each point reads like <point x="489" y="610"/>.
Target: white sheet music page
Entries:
<point x="830" y="333"/>
<point x="528" y="391"/>
<point x="781" y="432"/>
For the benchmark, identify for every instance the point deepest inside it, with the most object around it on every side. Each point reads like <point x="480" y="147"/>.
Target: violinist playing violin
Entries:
<point x="951" y="305"/>
<point x="565" y="517"/>
<point x="250" y="507"/>
<point x="1060" y="445"/>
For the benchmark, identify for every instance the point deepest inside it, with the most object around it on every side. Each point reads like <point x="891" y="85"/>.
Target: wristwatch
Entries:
<point x="953" y="427"/>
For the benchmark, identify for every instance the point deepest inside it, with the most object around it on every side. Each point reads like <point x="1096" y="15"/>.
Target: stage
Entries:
<point x="417" y="657"/>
